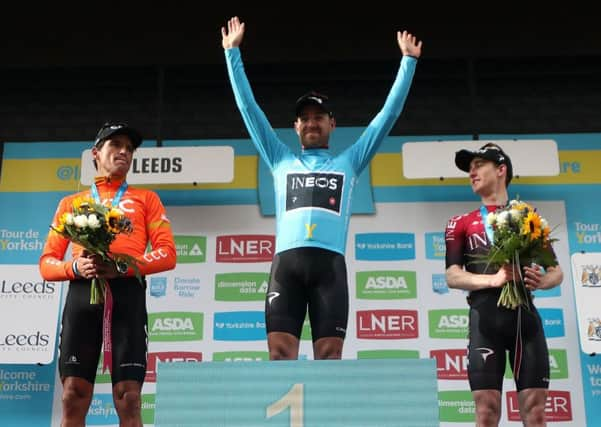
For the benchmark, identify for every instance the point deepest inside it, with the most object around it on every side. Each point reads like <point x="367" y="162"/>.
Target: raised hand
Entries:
<point x="234" y="33"/>
<point x="409" y="44"/>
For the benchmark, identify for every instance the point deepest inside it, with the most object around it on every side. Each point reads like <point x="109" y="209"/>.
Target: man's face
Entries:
<point x="115" y="156"/>
<point x="313" y="127"/>
<point x="486" y="176"/>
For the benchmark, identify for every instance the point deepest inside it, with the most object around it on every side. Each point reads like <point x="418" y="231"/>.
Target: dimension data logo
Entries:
<point x="387" y="324"/>
<point x="241" y="286"/>
<point x="239" y="326"/>
<point x="456" y="406"/>
<point x="191" y="249"/>
<point x="245" y="248"/>
<point x="384" y="246"/>
<point x="175" y="326"/>
<point x="448" y="323"/>
<point x="386" y="284"/>
<point x="435" y="246"/>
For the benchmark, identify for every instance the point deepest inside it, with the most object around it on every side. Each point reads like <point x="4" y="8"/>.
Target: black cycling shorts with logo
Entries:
<point x="81" y="331"/>
<point x="312" y="278"/>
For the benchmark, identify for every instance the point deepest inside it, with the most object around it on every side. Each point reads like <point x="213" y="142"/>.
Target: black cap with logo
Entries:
<point x="313" y="98"/>
<point x="489" y="151"/>
<point x="113" y="128"/>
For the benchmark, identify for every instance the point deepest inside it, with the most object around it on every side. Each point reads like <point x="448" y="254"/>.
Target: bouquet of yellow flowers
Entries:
<point x="95" y="226"/>
<point x="521" y="237"/>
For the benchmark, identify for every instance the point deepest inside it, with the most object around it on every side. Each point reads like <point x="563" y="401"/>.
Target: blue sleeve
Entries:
<point x="270" y="148"/>
<point x="368" y="143"/>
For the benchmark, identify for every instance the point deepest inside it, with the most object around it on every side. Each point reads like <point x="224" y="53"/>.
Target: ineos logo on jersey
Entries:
<point x="314" y="190"/>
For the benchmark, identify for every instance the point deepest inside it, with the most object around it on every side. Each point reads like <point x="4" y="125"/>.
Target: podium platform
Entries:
<point x="299" y="393"/>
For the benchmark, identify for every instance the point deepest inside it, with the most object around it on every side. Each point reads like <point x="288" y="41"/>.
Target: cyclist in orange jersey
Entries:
<point x="124" y="313"/>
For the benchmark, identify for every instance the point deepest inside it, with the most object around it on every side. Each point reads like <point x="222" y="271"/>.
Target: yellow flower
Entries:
<point x="113" y="220"/>
<point x="532" y="226"/>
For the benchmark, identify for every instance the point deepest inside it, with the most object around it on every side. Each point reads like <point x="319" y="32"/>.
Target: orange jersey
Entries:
<point x="150" y="225"/>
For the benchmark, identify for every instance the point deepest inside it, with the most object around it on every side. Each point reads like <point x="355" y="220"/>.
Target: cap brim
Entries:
<point x="134" y="136"/>
<point x="301" y="106"/>
<point x="463" y="159"/>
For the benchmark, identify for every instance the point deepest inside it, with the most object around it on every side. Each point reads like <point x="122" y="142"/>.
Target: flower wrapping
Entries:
<point x="521" y="237"/>
<point x="94" y="227"/>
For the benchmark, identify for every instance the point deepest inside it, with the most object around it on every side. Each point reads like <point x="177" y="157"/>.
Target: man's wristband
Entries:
<point x="74" y="267"/>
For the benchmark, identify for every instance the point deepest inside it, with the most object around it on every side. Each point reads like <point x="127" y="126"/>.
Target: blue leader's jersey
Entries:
<point x="313" y="191"/>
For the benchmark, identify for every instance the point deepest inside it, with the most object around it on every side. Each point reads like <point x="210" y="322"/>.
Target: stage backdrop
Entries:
<point x="210" y="308"/>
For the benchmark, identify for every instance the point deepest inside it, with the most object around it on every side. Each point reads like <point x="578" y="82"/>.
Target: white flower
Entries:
<point x="514" y="215"/>
<point x="80" y="221"/>
<point x="544" y="223"/>
<point x="502" y="218"/>
<point x="69" y="219"/>
<point x="93" y="221"/>
<point x="491" y="218"/>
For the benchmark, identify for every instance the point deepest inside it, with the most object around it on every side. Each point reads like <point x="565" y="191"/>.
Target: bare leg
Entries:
<point x="128" y="403"/>
<point x="282" y="346"/>
<point x="532" y="406"/>
<point x="488" y="407"/>
<point x="328" y="348"/>
<point x="76" y="399"/>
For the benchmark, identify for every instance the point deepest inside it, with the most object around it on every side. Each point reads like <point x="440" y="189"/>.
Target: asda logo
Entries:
<point x="175" y="326"/>
<point x="448" y="323"/>
<point x="240" y="356"/>
<point x="191" y="249"/>
<point x="456" y="406"/>
<point x="241" y="286"/>
<point x="387" y="284"/>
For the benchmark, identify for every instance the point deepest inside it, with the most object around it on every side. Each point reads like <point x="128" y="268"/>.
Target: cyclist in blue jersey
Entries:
<point x="312" y="200"/>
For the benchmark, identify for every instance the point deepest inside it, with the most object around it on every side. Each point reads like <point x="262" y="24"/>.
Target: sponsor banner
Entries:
<point x="240" y="356"/>
<point x="386" y="284"/>
<point x="241" y="286"/>
<point x="190" y="249"/>
<point x="157" y="357"/>
<point x="245" y="248"/>
<point x="435" y="245"/>
<point x="439" y="283"/>
<point x="239" y="326"/>
<point x="553" y="322"/>
<point x="452" y="323"/>
<point x="387" y="324"/>
<point x="28" y="316"/>
<point x="557" y="409"/>
<point x="384" y="246"/>
<point x="457" y="406"/>
<point x="451" y="364"/>
<point x="388" y="354"/>
<point x="175" y="326"/>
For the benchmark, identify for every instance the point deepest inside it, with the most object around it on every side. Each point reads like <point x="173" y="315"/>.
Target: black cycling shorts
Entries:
<point x="492" y="337"/>
<point x="81" y="331"/>
<point x="308" y="279"/>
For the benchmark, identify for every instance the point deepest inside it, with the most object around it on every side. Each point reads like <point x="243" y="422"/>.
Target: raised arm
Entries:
<point x="366" y="147"/>
<point x="270" y="148"/>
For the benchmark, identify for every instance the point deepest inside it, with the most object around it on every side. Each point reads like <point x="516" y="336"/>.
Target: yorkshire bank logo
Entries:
<point x="451" y="364"/>
<point x="451" y="323"/>
<point x="241" y="286"/>
<point x="245" y="248"/>
<point x="167" y="357"/>
<point x="435" y="245"/>
<point x="553" y="323"/>
<point x="387" y="324"/>
<point x="558" y="407"/>
<point x="386" y="284"/>
<point x="175" y="326"/>
<point x="239" y="326"/>
<point x="191" y="249"/>
<point x="384" y="246"/>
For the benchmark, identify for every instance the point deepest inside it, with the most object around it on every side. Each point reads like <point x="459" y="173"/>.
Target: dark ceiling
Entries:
<point x="179" y="33"/>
